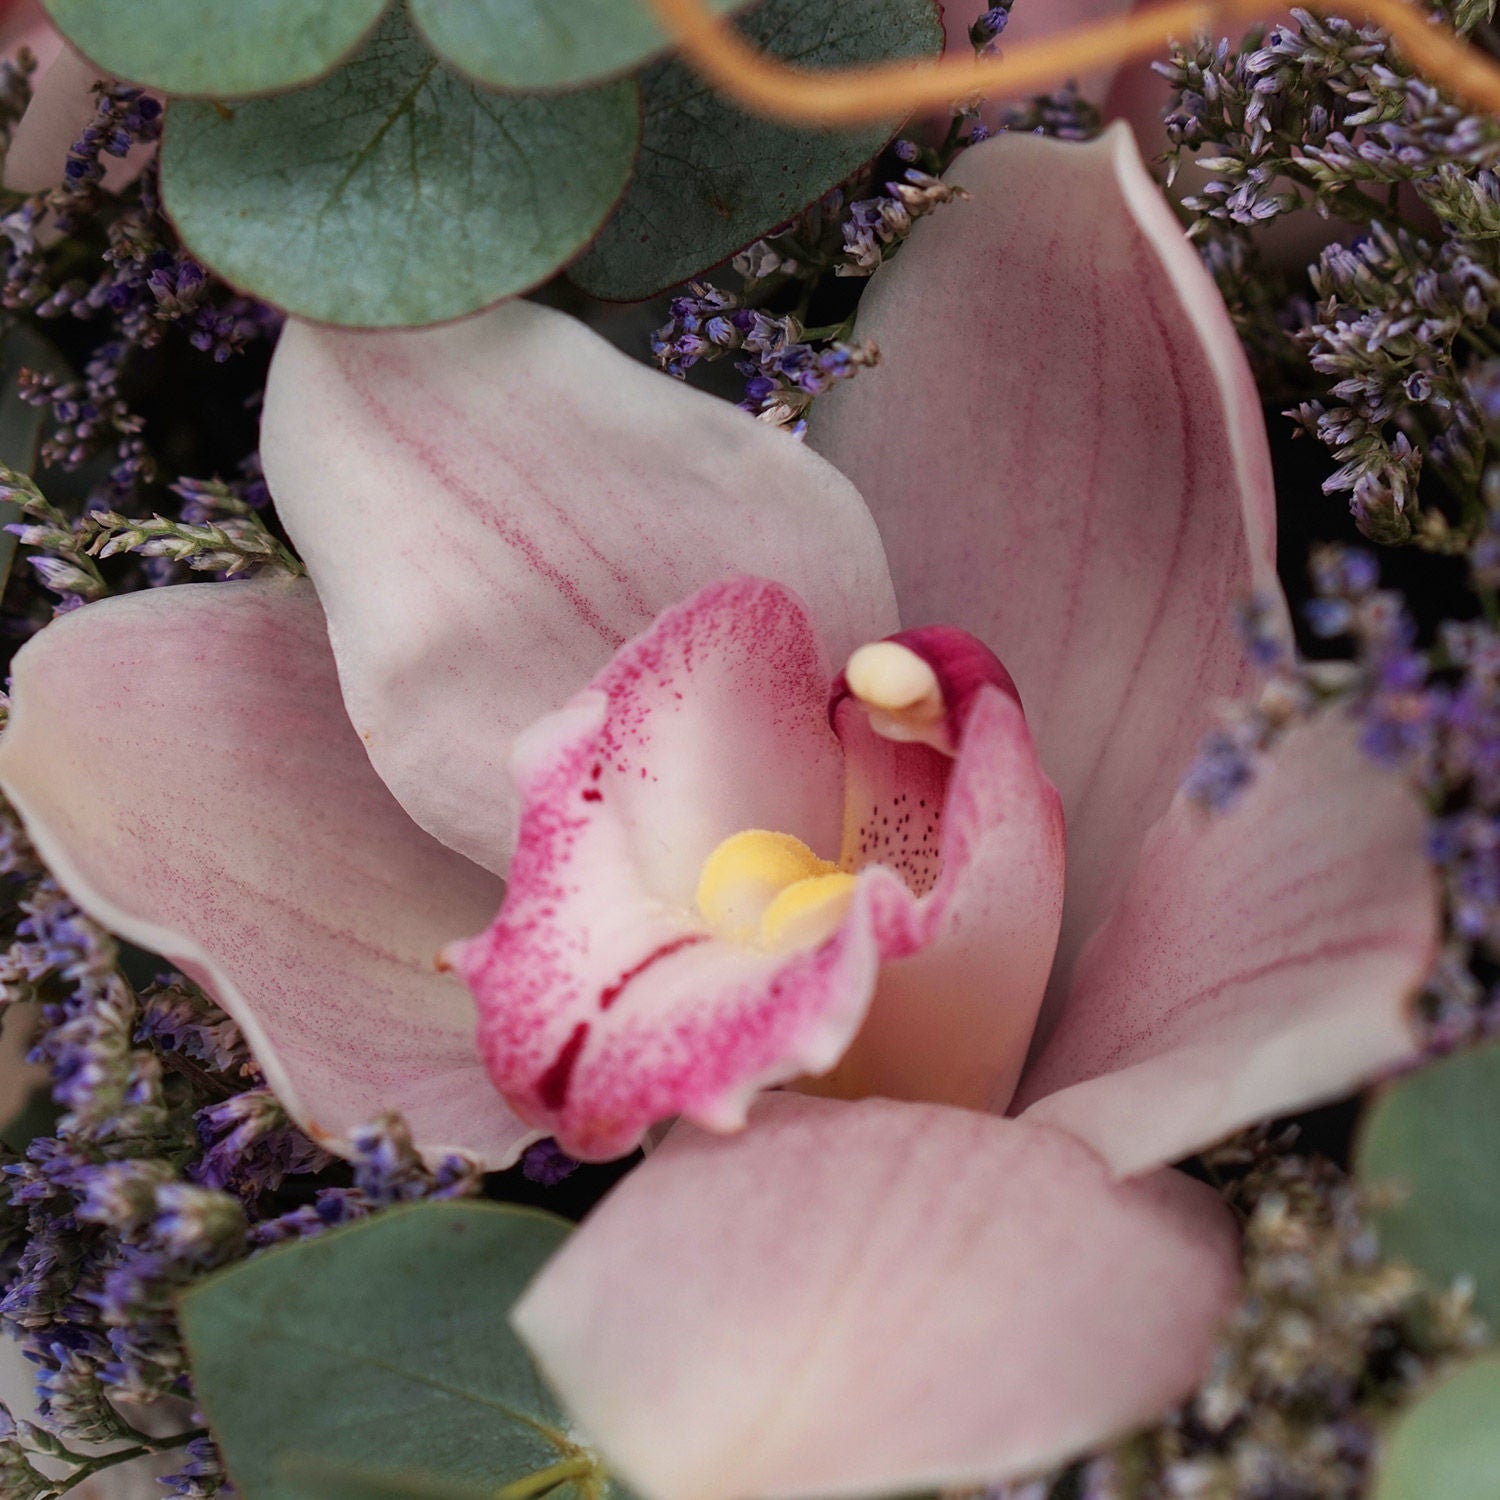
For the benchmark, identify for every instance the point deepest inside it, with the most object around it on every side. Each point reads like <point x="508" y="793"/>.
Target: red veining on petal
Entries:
<point x="611" y="992"/>
<point x="552" y="1086"/>
<point x="430" y="440"/>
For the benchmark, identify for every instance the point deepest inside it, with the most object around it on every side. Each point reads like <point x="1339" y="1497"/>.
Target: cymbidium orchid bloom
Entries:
<point x="644" y="657"/>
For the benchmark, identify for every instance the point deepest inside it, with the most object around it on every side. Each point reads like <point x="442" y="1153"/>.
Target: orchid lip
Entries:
<point x="774" y="857"/>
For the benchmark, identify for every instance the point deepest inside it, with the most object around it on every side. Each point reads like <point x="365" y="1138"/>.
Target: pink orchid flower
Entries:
<point x="608" y="635"/>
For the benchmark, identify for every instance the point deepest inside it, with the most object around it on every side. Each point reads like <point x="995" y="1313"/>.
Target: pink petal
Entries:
<point x="1064" y="451"/>
<point x="1259" y="962"/>
<point x="967" y="964"/>
<point x="491" y="508"/>
<point x="875" y="1298"/>
<point x="19" y="1079"/>
<point x="605" y="1003"/>
<point x="182" y="761"/>
<point x="23" y="23"/>
<point x="63" y="103"/>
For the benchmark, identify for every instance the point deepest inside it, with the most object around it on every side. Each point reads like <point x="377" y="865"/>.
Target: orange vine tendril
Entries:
<point x="864" y="95"/>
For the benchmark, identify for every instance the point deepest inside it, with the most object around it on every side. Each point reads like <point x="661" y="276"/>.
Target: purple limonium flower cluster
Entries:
<point x="1427" y="709"/>
<point x="146" y="287"/>
<point x="169" y="1158"/>
<point x="1322" y="121"/>
<point x="1327" y="1339"/>
<point x="785" y="367"/>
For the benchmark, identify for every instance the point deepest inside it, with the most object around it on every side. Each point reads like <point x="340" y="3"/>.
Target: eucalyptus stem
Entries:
<point x="548" y="1478"/>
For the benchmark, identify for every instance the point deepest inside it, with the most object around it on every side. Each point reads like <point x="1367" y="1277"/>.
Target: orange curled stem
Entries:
<point x="864" y="95"/>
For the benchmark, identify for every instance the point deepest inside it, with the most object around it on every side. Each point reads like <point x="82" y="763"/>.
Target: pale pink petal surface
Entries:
<point x="280" y="873"/>
<point x="853" y="1299"/>
<point x="23" y="23"/>
<point x="1064" y="450"/>
<point x="490" y="509"/>
<point x="1259" y="962"/>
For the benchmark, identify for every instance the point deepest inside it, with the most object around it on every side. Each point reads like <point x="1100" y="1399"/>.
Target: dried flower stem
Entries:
<point x="860" y="95"/>
<point x="87" y="1465"/>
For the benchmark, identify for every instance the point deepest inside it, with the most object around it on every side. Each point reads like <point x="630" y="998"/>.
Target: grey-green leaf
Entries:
<point x="212" y="48"/>
<point x="711" y="178"/>
<point x="543" y="44"/>
<point x="310" y="1478"/>
<point x="1430" y="1145"/>
<point x="393" y="192"/>
<point x="1447" y="1446"/>
<point x="384" y="1347"/>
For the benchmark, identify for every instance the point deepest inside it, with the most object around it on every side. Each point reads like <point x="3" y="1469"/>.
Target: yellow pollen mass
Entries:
<point x="807" y="911"/>
<point x="754" y="874"/>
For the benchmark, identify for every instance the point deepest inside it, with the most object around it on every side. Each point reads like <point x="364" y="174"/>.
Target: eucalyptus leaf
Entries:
<point x="310" y="1478"/>
<point x="544" y="44"/>
<point x="1447" y="1446"/>
<point x="710" y="178"/>
<point x="216" y="48"/>
<point x="394" y="192"/>
<point x="1430" y="1145"/>
<point x="383" y="1347"/>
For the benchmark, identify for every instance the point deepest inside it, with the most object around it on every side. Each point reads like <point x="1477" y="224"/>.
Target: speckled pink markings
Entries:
<point x="607" y="1000"/>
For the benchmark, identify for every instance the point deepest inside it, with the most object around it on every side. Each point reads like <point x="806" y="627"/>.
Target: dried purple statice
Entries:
<point x="146" y="288"/>
<point x="1430" y="713"/>
<point x="875" y="227"/>
<point x="387" y="1170"/>
<point x="1392" y="316"/>
<point x="1324" y="119"/>
<point x="786" y="366"/>
<point x="1326" y="1340"/>
<point x="545" y="1162"/>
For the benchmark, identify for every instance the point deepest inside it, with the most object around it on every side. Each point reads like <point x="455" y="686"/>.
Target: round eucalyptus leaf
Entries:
<point x="543" y="44"/>
<point x="310" y="1478"/>
<point x="1447" y="1446"/>
<point x="710" y="178"/>
<point x="393" y="192"/>
<point x="213" y="48"/>
<point x="1429" y="1155"/>
<point x="383" y="1349"/>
